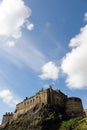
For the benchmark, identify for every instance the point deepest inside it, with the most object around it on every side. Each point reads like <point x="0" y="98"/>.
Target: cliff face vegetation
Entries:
<point x="78" y="123"/>
<point x="46" y="117"/>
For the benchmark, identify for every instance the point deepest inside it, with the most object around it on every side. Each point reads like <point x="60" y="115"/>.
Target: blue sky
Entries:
<point x="42" y="42"/>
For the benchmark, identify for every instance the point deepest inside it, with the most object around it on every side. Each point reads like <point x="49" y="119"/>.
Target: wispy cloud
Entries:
<point x="49" y="71"/>
<point x="18" y="53"/>
<point x="13" y="17"/>
<point x="23" y="55"/>
<point x="10" y="43"/>
<point x="74" y="64"/>
<point x="8" y="97"/>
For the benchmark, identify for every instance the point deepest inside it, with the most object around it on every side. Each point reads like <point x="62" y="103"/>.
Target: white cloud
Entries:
<point x="30" y="26"/>
<point x="10" y="43"/>
<point x="13" y="16"/>
<point x="49" y="71"/>
<point x="8" y="97"/>
<point x="85" y="17"/>
<point x="74" y="64"/>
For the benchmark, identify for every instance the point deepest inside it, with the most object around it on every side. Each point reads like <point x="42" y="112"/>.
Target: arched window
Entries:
<point x="27" y="102"/>
<point x="30" y="101"/>
<point x="24" y="103"/>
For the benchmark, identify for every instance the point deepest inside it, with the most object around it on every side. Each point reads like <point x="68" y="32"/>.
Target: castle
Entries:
<point x="72" y="105"/>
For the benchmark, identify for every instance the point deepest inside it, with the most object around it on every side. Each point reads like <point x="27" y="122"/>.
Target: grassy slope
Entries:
<point x="74" y="124"/>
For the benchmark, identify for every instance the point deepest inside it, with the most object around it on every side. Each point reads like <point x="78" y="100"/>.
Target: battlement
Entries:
<point x="7" y="118"/>
<point x="9" y="114"/>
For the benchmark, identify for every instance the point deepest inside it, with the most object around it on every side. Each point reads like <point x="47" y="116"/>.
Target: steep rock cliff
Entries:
<point x="46" y="117"/>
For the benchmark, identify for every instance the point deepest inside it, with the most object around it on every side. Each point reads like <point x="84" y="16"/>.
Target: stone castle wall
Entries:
<point x="48" y="96"/>
<point x="72" y="106"/>
<point x="29" y="103"/>
<point x="7" y="118"/>
<point x="58" y="98"/>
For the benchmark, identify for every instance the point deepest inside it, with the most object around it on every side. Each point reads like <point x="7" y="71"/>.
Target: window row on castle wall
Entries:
<point x="31" y="101"/>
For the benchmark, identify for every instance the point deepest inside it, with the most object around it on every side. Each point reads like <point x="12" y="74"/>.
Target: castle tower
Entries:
<point x="7" y="118"/>
<point x="74" y="106"/>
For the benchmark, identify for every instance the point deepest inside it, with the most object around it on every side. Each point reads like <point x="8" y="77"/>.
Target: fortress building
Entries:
<point x="72" y="106"/>
<point x="7" y="118"/>
<point x="43" y="97"/>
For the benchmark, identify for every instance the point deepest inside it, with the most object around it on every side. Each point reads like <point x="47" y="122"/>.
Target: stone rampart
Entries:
<point x="48" y="96"/>
<point x="74" y="106"/>
<point x="29" y="103"/>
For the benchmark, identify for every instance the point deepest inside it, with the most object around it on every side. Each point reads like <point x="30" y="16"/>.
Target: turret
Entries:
<point x="74" y="106"/>
<point x="7" y="118"/>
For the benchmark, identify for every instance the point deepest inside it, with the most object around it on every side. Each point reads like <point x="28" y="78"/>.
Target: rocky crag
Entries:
<point x="46" y="117"/>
